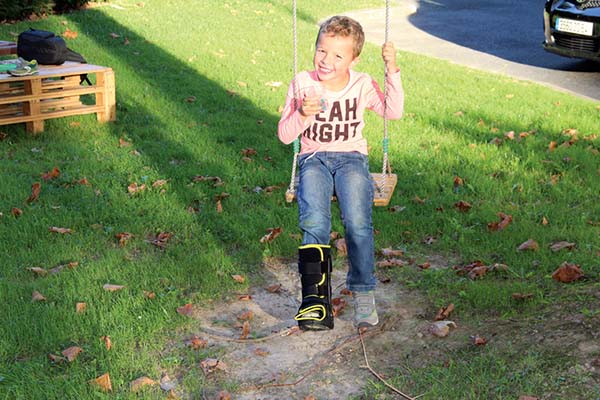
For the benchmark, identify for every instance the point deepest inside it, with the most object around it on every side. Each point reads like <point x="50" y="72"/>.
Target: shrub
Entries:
<point x="19" y="9"/>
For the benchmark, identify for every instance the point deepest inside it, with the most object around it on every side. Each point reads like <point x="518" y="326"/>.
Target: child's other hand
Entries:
<point x="388" y="52"/>
<point x="311" y="105"/>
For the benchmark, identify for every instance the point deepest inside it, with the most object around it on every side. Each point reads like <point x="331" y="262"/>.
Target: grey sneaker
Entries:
<point x="365" y="313"/>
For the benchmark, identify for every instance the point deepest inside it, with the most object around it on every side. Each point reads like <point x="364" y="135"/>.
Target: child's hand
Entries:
<point x="388" y="52"/>
<point x="310" y="106"/>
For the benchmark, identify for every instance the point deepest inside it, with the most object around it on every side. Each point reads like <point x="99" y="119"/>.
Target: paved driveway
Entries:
<point x="502" y="36"/>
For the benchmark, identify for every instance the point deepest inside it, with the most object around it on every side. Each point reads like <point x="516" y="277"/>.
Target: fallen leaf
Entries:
<point x="389" y="252"/>
<point x="35" y="192"/>
<point x="522" y="296"/>
<point x="462" y="206"/>
<point x="567" y="273"/>
<point x="112" y="288"/>
<point x="107" y="342"/>
<point x="167" y="384"/>
<point x="530" y="244"/>
<point x="102" y="382"/>
<point x="340" y="245"/>
<point x="63" y="231"/>
<point x="478" y="340"/>
<point x="37" y="296"/>
<point x="220" y="207"/>
<point x="246" y="316"/>
<point x="186" y="310"/>
<point x="38" y="271"/>
<point x="238" y="278"/>
<point x="441" y="328"/>
<point x="149" y="295"/>
<point x="223" y="395"/>
<point x="123" y="238"/>
<point x="211" y="364"/>
<point x="505" y="220"/>
<point x="80" y="307"/>
<point x="425" y="265"/>
<point x="391" y="262"/>
<point x="124" y="143"/>
<point x="261" y="352"/>
<point x="71" y="353"/>
<point x="248" y="152"/>
<point x="69" y="34"/>
<point x="134" y="188"/>
<point x="161" y="239"/>
<point x="55" y="173"/>
<point x="139" y="383"/>
<point x="60" y="267"/>
<point x="276" y="288"/>
<point x="56" y="359"/>
<point x="17" y="212"/>
<point x="562" y="245"/>
<point x="245" y="330"/>
<point x="338" y="305"/>
<point x="114" y="35"/>
<point x="271" y="235"/>
<point x="196" y="343"/>
<point x="444" y="312"/>
<point x="478" y="272"/>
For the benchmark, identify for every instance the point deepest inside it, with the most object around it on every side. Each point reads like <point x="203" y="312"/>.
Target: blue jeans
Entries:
<point x="345" y="175"/>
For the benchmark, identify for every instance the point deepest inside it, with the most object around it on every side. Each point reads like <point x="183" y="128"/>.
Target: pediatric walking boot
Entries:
<point x="314" y="264"/>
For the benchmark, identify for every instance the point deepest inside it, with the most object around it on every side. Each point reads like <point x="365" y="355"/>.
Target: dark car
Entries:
<point x="572" y="28"/>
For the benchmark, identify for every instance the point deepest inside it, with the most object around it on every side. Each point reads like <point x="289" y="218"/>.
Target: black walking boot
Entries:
<point x="314" y="264"/>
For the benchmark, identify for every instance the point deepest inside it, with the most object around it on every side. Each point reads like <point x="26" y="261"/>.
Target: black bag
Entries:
<point x="45" y="47"/>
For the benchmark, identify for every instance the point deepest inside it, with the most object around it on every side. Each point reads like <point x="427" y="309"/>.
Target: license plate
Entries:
<point x="572" y="26"/>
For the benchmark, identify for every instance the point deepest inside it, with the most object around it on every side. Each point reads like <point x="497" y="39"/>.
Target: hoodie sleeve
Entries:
<point x="395" y="97"/>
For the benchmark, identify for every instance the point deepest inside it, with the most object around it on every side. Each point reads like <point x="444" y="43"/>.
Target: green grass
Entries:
<point x="219" y="53"/>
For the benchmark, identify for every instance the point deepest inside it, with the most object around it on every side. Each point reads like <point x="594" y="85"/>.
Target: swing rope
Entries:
<point x="386" y="166"/>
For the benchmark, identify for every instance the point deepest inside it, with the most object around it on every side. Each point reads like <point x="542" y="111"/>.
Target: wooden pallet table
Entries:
<point x="7" y="48"/>
<point x="55" y="92"/>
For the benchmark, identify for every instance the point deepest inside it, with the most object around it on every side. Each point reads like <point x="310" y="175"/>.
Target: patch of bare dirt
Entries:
<point x="325" y="364"/>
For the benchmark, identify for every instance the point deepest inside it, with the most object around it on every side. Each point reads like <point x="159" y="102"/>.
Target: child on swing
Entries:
<point x="326" y="108"/>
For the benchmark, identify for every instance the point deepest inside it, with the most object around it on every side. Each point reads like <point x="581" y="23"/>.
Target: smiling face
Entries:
<point x="334" y="56"/>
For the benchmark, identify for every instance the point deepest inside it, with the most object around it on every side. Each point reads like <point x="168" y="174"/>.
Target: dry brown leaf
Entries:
<point x="441" y="328"/>
<point x="112" y="288"/>
<point x="159" y="183"/>
<point x="462" y="206"/>
<point x="37" y="296"/>
<point x="55" y="359"/>
<point x="17" y="212"/>
<point x="123" y="238"/>
<point x="522" y="296"/>
<point x="567" y="273"/>
<point x="80" y="307"/>
<point x="276" y="288"/>
<point x="124" y="142"/>
<point x="505" y="220"/>
<point x="211" y="364"/>
<point x="530" y="244"/>
<point x="139" y="383"/>
<point x="149" y="295"/>
<point x="134" y="188"/>
<point x="271" y="235"/>
<point x="102" y="382"/>
<point x="478" y="340"/>
<point x="391" y="262"/>
<point x="248" y="152"/>
<point x="389" y="252"/>
<point x="55" y="173"/>
<point x="72" y="352"/>
<point x="340" y="245"/>
<point x="223" y="395"/>
<point x="562" y="245"/>
<point x="60" y="267"/>
<point x="160" y="240"/>
<point x="114" y="35"/>
<point x="338" y="304"/>
<point x="107" y="342"/>
<point x="261" y="352"/>
<point x="219" y="206"/>
<point x="196" y="343"/>
<point x="444" y="312"/>
<point x="478" y="272"/>
<point x="238" y="278"/>
<point x="244" y="297"/>
<point x="63" y="231"/>
<point x="246" y="316"/>
<point x="425" y="265"/>
<point x="69" y="34"/>
<point x="245" y="330"/>
<point x="545" y="221"/>
<point x="35" y="192"/>
<point x="186" y="310"/>
<point x="38" y="271"/>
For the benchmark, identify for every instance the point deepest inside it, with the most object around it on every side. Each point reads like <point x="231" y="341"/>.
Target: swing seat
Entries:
<point x="384" y="185"/>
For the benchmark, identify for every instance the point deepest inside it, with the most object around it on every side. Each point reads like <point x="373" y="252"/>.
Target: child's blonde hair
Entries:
<point x="340" y="25"/>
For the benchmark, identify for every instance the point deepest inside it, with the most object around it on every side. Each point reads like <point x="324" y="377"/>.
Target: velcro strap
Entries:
<point x="314" y="312"/>
<point x="310" y="268"/>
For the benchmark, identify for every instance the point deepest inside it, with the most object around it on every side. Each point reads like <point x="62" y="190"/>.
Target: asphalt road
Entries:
<point x="503" y="36"/>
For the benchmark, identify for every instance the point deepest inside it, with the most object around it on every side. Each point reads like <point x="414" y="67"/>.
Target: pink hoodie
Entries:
<point x="340" y="126"/>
